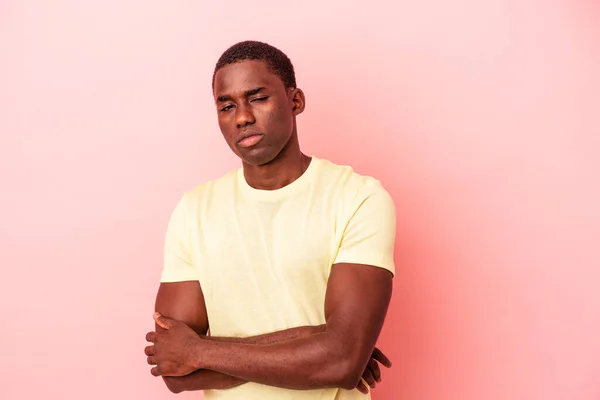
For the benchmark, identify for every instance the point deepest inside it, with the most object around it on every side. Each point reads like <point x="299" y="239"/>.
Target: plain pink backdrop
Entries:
<point x="481" y="118"/>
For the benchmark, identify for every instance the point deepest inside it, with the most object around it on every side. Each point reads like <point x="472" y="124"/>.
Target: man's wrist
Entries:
<point x="198" y="353"/>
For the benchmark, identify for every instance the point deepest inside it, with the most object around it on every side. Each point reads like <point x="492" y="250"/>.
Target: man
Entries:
<point x="277" y="276"/>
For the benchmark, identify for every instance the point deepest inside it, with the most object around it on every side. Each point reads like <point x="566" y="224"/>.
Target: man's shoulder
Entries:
<point x="213" y="187"/>
<point x="346" y="179"/>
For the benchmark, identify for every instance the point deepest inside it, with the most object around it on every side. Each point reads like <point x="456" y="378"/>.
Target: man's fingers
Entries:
<point x="375" y="371"/>
<point x="163" y="322"/>
<point x="156" y="371"/>
<point x="151" y="360"/>
<point x="379" y="356"/>
<point x="369" y="378"/>
<point x="149" y="350"/>
<point x="151" y="337"/>
<point x="361" y="387"/>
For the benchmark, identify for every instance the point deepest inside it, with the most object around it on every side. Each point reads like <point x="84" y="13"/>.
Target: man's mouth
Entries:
<point x="250" y="139"/>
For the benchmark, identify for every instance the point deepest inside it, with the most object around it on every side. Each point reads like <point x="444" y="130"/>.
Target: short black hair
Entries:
<point x="276" y="60"/>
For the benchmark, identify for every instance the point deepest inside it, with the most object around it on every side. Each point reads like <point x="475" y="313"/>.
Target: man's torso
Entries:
<point x="264" y="257"/>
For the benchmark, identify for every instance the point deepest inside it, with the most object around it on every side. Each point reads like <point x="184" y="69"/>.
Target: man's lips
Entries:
<point x="249" y="139"/>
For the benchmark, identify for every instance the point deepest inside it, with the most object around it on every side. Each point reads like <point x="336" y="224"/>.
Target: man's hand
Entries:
<point x="372" y="374"/>
<point x="172" y="349"/>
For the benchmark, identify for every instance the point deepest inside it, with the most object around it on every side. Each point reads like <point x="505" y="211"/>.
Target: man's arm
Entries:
<point x="184" y="301"/>
<point x="355" y="307"/>
<point x="273" y="337"/>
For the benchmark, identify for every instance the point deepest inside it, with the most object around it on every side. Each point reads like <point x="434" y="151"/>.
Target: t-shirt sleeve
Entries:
<point x="370" y="235"/>
<point x="178" y="264"/>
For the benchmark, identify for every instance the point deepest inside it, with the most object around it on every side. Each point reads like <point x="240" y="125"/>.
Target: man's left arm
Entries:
<point x="358" y="294"/>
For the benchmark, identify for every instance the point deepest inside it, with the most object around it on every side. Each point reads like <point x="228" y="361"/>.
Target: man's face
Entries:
<point x="255" y="110"/>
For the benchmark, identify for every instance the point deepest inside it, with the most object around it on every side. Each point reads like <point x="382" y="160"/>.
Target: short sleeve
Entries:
<point x="370" y="235"/>
<point x="178" y="265"/>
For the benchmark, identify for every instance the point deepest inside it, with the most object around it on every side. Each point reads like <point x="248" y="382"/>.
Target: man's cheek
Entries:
<point x="279" y="119"/>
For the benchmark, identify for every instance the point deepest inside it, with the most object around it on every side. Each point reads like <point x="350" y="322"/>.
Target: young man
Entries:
<point x="287" y="261"/>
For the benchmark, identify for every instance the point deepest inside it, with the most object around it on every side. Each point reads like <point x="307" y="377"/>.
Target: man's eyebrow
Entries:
<point x="253" y="91"/>
<point x="247" y="93"/>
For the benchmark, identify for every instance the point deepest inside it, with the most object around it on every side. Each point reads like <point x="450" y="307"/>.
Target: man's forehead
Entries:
<point x="244" y="75"/>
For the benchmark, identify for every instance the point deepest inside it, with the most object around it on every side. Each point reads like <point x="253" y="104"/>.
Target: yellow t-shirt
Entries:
<point x="263" y="257"/>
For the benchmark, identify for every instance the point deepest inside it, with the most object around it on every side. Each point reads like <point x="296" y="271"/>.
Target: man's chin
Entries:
<point x="257" y="158"/>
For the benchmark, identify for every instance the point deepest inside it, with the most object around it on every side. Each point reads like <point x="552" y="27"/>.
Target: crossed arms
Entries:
<point x="334" y="355"/>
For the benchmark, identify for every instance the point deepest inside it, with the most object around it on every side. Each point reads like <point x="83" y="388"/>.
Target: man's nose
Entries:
<point x="244" y="116"/>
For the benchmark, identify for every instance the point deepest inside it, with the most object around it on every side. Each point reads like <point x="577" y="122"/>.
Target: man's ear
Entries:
<point x="298" y="101"/>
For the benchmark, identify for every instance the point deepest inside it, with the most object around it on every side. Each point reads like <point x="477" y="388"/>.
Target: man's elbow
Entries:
<point x="173" y="384"/>
<point x="350" y="372"/>
<point x="344" y="370"/>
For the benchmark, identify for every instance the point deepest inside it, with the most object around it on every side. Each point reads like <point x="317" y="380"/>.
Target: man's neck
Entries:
<point x="278" y="173"/>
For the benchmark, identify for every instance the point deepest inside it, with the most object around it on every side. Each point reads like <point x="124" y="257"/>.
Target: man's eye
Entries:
<point x="227" y="108"/>
<point x="260" y="98"/>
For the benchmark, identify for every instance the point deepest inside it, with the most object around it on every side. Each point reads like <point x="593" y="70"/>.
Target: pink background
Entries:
<point x="481" y="118"/>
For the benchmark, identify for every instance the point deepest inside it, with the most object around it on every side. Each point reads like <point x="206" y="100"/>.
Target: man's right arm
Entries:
<point x="184" y="301"/>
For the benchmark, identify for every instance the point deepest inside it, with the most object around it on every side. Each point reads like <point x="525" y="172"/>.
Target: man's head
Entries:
<point x="257" y="101"/>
